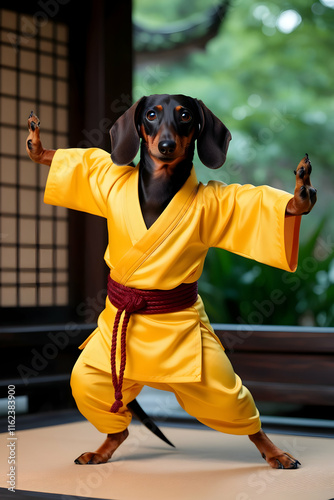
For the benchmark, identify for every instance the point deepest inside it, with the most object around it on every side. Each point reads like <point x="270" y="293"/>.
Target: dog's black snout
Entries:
<point x="167" y="147"/>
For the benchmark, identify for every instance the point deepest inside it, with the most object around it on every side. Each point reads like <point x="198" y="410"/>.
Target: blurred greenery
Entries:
<point x="269" y="76"/>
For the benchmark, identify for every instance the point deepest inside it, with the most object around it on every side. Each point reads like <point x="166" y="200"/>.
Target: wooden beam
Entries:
<point x="101" y="90"/>
<point x="257" y="338"/>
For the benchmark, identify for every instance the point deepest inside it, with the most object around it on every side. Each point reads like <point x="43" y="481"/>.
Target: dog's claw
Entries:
<point x="94" y="459"/>
<point x="294" y="462"/>
<point x="77" y="460"/>
<point x="34" y="121"/>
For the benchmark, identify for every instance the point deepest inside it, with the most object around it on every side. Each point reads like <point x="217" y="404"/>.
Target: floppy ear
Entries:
<point x="213" y="138"/>
<point x="125" y="137"/>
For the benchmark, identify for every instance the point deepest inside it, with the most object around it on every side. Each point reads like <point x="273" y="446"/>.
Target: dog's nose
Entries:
<point x="167" y="147"/>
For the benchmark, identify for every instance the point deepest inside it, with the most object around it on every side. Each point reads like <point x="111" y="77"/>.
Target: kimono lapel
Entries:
<point x="146" y="241"/>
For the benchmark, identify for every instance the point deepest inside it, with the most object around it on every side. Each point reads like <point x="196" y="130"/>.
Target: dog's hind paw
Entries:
<point x="282" y="461"/>
<point x="91" y="458"/>
<point x="106" y="450"/>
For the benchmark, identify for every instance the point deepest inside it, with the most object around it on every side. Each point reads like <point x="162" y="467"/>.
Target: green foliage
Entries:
<point x="273" y="90"/>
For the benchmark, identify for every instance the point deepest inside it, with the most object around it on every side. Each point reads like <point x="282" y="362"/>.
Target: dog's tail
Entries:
<point x="138" y="412"/>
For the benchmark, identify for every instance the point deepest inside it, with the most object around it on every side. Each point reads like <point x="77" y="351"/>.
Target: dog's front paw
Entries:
<point x="304" y="167"/>
<point x="305" y="195"/>
<point x="33" y="144"/>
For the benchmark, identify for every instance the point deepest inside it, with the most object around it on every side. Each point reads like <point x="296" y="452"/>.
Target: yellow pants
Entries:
<point x="219" y="401"/>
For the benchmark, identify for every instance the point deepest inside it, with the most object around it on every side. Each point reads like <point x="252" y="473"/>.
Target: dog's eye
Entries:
<point x="185" y="116"/>
<point x="151" y="115"/>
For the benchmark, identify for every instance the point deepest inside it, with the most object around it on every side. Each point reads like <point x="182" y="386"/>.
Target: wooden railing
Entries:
<point x="287" y="364"/>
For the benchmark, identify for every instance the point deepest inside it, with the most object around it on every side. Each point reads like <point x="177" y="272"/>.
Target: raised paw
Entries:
<point x="33" y="121"/>
<point x="305" y="195"/>
<point x="304" y="167"/>
<point x="33" y="144"/>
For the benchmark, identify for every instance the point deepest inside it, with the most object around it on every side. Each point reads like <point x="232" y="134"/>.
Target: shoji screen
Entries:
<point x="33" y="236"/>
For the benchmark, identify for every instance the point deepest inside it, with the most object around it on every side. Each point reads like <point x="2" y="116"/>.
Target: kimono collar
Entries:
<point x="135" y="220"/>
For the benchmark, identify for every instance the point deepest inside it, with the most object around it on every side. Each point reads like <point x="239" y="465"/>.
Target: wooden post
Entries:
<point x="101" y="90"/>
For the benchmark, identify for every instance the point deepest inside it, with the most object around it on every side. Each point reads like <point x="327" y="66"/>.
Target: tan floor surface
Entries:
<point x="205" y="465"/>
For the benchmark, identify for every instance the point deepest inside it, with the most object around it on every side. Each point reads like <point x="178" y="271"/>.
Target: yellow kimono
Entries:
<point x="168" y="351"/>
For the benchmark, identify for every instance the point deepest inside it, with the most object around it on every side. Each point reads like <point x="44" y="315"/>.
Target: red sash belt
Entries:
<point x="133" y="300"/>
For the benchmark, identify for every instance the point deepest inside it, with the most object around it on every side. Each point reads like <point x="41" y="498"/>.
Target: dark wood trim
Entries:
<point x="303" y="394"/>
<point x="285" y="368"/>
<point x="283" y="364"/>
<point x="287" y="339"/>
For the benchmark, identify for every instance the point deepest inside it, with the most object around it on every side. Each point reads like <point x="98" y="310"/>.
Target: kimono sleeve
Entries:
<point x="81" y="179"/>
<point x="250" y="221"/>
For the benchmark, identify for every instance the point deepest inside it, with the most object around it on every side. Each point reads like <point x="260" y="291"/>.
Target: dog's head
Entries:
<point x="169" y="125"/>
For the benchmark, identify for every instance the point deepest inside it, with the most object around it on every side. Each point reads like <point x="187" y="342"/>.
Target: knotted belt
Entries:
<point x="133" y="300"/>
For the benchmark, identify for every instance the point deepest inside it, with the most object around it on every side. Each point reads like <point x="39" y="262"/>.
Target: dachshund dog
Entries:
<point x="168" y="127"/>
